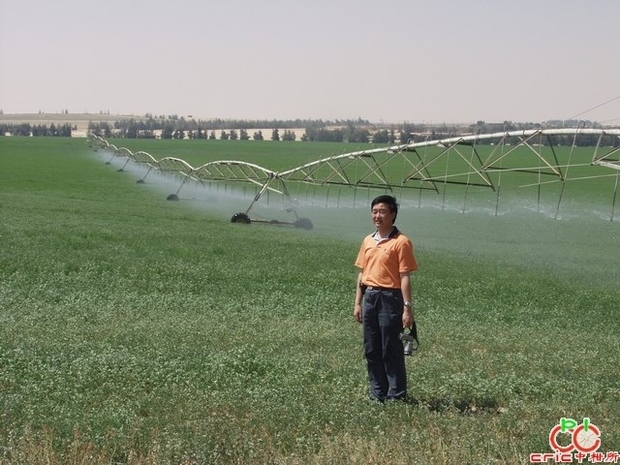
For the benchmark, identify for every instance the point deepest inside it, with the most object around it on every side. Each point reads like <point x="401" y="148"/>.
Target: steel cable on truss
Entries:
<point x="499" y="174"/>
<point x="568" y="164"/>
<point x="469" y="173"/>
<point x="595" y="107"/>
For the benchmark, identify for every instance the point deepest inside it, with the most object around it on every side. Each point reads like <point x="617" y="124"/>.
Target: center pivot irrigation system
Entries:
<point x="541" y="161"/>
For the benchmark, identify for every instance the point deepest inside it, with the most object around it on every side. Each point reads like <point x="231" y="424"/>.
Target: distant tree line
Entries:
<point x="151" y="123"/>
<point x="583" y="140"/>
<point x="37" y="130"/>
<point x="173" y="127"/>
<point x="352" y="131"/>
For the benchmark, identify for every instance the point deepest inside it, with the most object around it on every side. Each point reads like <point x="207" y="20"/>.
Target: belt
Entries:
<point x="377" y="288"/>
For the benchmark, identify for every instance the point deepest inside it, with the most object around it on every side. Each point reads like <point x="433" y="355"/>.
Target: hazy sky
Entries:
<point x="427" y="61"/>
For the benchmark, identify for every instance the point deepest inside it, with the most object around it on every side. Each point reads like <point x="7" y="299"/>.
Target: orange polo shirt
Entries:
<point x="382" y="261"/>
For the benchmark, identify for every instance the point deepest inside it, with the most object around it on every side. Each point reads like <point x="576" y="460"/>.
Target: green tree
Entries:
<point x="380" y="137"/>
<point x="65" y="130"/>
<point x="131" y="132"/>
<point x="358" y="135"/>
<point x="167" y="132"/>
<point x="289" y="135"/>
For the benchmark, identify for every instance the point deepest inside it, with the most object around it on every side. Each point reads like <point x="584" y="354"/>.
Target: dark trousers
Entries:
<point x="383" y="323"/>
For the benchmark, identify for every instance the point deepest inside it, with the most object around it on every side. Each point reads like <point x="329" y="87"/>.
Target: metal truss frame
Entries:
<point x="425" y="165"/>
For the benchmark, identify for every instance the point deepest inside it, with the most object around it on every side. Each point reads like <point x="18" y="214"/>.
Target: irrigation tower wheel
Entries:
<point x="304" y="223"/>
<point x="240" y="218"/>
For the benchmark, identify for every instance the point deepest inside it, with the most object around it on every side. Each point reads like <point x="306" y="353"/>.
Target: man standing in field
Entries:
<point x="383" y="300"/>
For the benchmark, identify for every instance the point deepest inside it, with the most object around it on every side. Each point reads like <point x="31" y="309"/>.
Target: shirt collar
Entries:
<point x="395" y="232"/>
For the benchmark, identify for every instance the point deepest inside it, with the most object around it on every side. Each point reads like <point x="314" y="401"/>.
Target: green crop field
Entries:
<point x="277" y="156"/>
<point x="141" y="331"/>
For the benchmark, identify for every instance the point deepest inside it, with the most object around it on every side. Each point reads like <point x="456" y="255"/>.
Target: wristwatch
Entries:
<point x="408" y="304"/>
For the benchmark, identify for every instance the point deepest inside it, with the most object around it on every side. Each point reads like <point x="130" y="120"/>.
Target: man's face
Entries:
<point x="382" y="216"/>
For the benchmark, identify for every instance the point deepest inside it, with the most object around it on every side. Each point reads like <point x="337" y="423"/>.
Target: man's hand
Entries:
<point x="357" y="312"/>
<point x="407" y="317"/>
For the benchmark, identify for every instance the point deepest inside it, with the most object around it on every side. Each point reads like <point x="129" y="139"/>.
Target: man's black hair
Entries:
<point x="389" y="200"/>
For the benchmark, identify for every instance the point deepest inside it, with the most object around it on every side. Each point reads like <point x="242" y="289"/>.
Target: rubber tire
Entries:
<point x="240" y="218"/>
<point x="304" y="223"/>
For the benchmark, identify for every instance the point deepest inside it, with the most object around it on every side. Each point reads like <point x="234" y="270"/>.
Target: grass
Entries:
<point x="135" y="330"/>
<point x="277" y="156"/>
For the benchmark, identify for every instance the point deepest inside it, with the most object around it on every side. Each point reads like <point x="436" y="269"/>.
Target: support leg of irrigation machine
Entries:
<point x="175" y="196"/>
<point x="122" y="168"/>
<point x="143" y="179"/>
<point x="244" y="217"/>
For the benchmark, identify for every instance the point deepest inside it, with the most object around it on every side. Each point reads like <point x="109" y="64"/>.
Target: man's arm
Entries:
<point x="357" y="305"/>
<point x="405" y="287"/>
